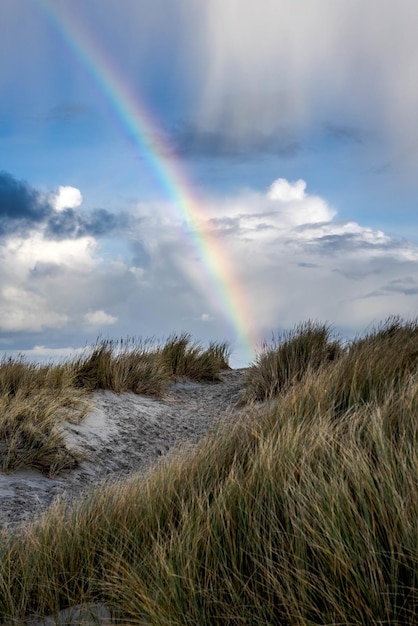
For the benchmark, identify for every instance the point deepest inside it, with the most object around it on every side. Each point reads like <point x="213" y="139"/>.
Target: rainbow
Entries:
<point x="223" y="286"/>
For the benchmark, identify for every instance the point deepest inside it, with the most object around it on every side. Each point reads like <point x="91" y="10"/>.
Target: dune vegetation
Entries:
<point x="35" y="399"/>
<point x="302" y="511"/>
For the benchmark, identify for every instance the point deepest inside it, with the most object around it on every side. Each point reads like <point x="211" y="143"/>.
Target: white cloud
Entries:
<point x="66" y="198"/>
<point x="282" y="207"/>
<point x="291" y="256"/>
<point x="36" y="249"/>
<point x="283" y="191"/>
<point x="33" y="272"/>
<point x="45" y="353"/>
<point x="99" y="318"/>
<point x="293" y="259"/>
<point x="23" y="310"/>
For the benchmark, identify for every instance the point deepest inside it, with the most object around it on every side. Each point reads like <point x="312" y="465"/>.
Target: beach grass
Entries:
<point x="124" y="365"/>
<point x="184" y="358"/>
<point x="35" y="400"/>
<point x="301" y="510"/>
<point x="288" y="358"/>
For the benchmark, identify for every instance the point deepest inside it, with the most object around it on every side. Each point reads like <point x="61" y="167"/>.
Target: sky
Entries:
<point x="226" y="168"/>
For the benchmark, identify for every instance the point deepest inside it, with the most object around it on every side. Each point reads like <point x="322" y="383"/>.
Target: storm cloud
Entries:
<point x="69" y="224"/>
<point x="23" y="208"/>
<point x="347" y="59"/>
<point x="192" y="141"/>
<point x="20" y="203"/>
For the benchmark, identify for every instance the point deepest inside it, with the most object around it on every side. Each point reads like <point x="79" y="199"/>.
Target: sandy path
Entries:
<point x="122" y="435"/>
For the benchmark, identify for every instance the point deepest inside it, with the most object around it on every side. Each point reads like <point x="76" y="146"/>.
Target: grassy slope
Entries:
<point x="34" y="399"/>
<point x="303" y="512"/>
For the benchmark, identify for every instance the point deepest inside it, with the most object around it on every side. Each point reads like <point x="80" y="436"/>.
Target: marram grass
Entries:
<point x="184" y="358"/>
<point x="290" y="356"/>
<point x="299" y="511"/>
<point x="35" y="399"/>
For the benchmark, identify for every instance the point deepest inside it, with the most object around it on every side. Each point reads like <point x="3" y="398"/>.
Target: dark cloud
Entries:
<point x="358" y="273"/>
<point x="189" y="140"/>
<point x="377" y="293"/>
<point x="20" y="205"/>
<point x="140" y="257"/>
<point x="46" y="270"/>
<point x="399" y="160"/>
<point x="338" y="242"/>
<point x="226" y="224"/>
<point x="332" y="242"/>
<point x="345" y="134"/>
<point x="70" y="224"/>
<point x="238" y="225"/>
<point x="23" y="208"/>
<point x="407" y="286"/>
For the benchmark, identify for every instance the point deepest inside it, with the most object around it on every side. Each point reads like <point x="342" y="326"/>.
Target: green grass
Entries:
<point x="301" y="511"/>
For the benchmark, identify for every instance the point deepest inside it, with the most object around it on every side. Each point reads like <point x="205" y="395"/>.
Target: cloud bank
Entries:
<point x="293" y="257"/>
<point x="298" y="261"/>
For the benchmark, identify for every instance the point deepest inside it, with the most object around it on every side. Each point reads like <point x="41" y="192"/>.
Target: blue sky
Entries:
<point x="295" y="123"/>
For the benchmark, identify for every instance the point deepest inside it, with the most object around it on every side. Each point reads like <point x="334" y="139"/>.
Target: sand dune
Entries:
<point x="122" y="434"/>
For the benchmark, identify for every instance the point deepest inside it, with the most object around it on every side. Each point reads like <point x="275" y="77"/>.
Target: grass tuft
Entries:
<point x="383" y="359"/>
<point x="120" y="366"/>
<point x="34" y="402"/>
<point x="184" y="358"/>
<point x="289" y="358"/>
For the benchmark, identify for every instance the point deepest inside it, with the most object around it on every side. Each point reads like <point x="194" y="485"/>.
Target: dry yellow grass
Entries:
<point x="35" y="399"/>
<point x="303" y="511"/>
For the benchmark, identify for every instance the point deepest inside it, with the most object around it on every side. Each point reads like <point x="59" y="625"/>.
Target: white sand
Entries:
<point x="122" y="434"/>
